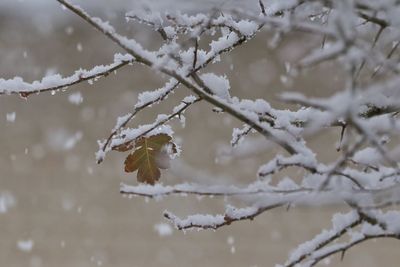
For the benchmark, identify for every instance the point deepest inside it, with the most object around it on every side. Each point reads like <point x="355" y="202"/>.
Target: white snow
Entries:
<point x="11" y="116"/>
<point x="75" y="98"/>
<point x="163" y="229"/>
<point x="7" y="201"/>
<point x="201" y="220"/>
<point x="219" y="85"/>
<point x="246" y="27"/>
<point x="25" y="245"/>
<point x="62" y="139"/>
<point x="72" y="141"/>
<point x="156" y="95"/>
<point x="79" y="47"/>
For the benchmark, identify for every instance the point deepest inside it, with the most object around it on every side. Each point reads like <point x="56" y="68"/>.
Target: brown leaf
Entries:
<point x="124" y="147"/>
<point x="148" y="158"/>
<point x="149" y="173"/>
<point x="134" y="160"/>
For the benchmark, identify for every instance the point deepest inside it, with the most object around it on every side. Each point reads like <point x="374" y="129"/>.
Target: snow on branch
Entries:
<point x="125" y="138"/>
<point x="159" y="190"/>
<point x="342" y="224"/>
<point x="206" y="221"/>
<point x="145" y="100"/>
<point x="56" y="82"/>
<point x="150" y="59"/>
<point x="361" y="38"/>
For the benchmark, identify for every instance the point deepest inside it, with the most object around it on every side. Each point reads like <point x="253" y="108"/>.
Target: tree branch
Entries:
<point x="56" y="82"/>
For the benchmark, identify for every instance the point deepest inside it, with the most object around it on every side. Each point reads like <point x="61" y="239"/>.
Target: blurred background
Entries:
<point x="59" y="208"/>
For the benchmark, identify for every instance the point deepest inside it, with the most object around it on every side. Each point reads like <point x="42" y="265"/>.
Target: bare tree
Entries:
<point x="361" y="36"/>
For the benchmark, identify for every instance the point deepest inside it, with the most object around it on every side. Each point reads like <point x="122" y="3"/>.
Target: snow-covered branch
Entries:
<point x="361" y="38"/>
<point x="56" y="82"/>
<point x="159" y="190"/>
<point x="231" y="215"/>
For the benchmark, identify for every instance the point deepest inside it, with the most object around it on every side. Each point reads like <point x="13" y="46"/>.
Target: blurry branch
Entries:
<point x="152" y="23"/>
<point x="318" y="243"/>
<point x="319" y="255"/>
<point x="321" y="246"/>
<point x="349" y="152"/>
<point x="279" y="163"/>
<point x="199" y="190"/>
<point x="373" y="19"/>
<point x="390" y="54"/>
<point x="370" y="111"/>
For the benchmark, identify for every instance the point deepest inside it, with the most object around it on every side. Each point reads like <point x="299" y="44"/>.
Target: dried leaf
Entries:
<point x="124" y="147"/>
<point x="148" y="158"/>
